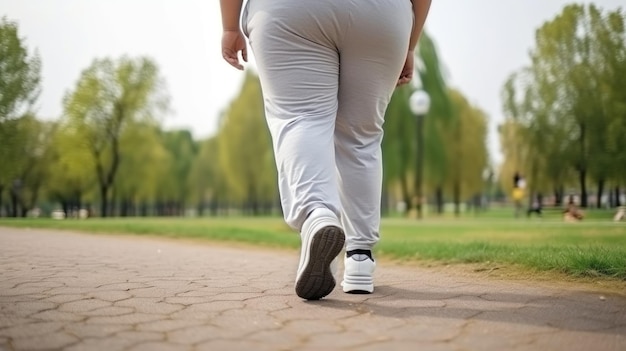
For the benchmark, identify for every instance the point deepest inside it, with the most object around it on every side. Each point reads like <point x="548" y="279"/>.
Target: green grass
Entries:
<point x="594" y="248"/>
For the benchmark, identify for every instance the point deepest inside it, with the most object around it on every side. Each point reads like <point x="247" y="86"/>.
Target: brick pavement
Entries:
<point x="71" y="291"/>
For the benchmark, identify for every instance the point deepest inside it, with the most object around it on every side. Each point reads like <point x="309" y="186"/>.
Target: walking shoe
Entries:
<point x="358" y="274"/>
<point x="322" y="240"/>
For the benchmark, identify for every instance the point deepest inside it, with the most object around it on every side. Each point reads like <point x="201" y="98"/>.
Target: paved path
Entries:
<point x="71" y="291"/>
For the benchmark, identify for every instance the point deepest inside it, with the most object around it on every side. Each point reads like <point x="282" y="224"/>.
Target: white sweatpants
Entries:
<point x="327" y="70"/>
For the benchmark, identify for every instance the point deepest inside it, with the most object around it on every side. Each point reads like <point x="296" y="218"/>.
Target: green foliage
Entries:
<point x="143" y="170"/>
<point x="19" y="89"/>
<point x="19" y="73"/>
<point x="182" y="151"/>
<point x="205" y="176"/>
<point x="70" y="171"/>
<point x="399" y="146"/>
<point x="455" y="136"/>
<point x="441" y="110"/>
<point x="466" y="147"/>
<point x="569" y="105"/>
<point x="110" y="97"/>
<point x="245" y="150"/>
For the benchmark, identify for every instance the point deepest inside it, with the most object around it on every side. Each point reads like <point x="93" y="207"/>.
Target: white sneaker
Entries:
<point x="358" y="276"/>
<point x="322" y="240"/>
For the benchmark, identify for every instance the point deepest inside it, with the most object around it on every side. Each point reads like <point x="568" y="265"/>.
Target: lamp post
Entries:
<point x="419" y="102"/>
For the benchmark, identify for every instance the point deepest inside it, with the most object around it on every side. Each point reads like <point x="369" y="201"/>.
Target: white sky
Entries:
<point x="480" y="41"/>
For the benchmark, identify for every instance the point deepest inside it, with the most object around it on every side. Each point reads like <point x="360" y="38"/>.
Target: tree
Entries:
<point x="397" y="146"/>
<point x="466" y="149"/>
<point x="568" y="101"/>
<point x="143" y="168"/>
<point x="439" y="117"/>
<point x="19" y="89"/>
<point x="399" y="140"/>
<point x="182" y="150"/>
<point x="110" y="96"/>
<point x="70" y="171"/>
<point x="35" y="155"/>
<point x="245" y="150"/>
<point x="205" y="177"/>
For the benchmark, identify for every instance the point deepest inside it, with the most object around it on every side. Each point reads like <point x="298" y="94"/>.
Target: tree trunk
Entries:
<point x="1" y="191"/>
<point x="213" y="207"/>
<point x="457" y="198"/>
<point x="582" y="177"/>
<point x="65" y="207"/>
<point x="1" y="204"/>
<point x="104" y="201"/>
<point x="439" y="199"/>
<point x="14" y="204"/>
<point x="200" y="208"/>
<point x="406" y="197"/>
<point x="558" y="196"/>
<point x="582" y="169"/>
<point x="600" y="193"/>
<point x="124" y="208"/>
<point x="384" y="203"/>
<point x="24" y="213"/>
<point x="618" y="200"/>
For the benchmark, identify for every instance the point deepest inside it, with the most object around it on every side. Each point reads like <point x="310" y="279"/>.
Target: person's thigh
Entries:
<point x="294" y="47"/>
<point x="373" y="51"/>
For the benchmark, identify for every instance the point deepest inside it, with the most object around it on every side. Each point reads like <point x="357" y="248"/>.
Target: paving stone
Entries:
<point x="52" y="341"/>
<point x="64" y="298"/>
<point x="109" y="295"/>
<point x="35" y="306"/>
<point x="232" y="345"/>
<point x="31" y="329"/>
<point x="72" y="291"/>
<point x="140" y="336"/>
<point x="167" y="325"/>
<point x="108" y="344"/>
<point x="194" y="335"/>
<point x="109" y="311"/>
<point x="160" y="307"/>
<point x="132" y="318"/>
<point x="55" y="315"/>
<point x="87" y="331"/>
<point x="159" y="346"/>
<point x="84" y="305"/>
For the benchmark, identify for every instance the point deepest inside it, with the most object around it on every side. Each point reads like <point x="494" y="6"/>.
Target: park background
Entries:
<point x="110" y="144"/>
<point x="125" y="109"/>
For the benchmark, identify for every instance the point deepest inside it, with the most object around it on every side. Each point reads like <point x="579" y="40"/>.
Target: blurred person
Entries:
<point x="571" y="212"/>
<point x="327" y="70"/>
<point x="519" y="185"/>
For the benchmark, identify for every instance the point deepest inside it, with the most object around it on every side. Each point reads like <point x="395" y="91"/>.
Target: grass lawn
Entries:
<point x="594" y="248"/>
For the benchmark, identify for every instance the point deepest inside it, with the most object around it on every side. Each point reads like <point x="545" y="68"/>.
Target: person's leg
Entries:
<point x="298" y="66"/>
<point x="372" y="53"/>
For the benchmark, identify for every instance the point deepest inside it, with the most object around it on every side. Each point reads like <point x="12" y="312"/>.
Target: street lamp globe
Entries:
<point x="419" y="102"/>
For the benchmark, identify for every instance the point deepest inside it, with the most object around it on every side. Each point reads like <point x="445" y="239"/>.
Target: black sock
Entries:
<point x="360" y="252"/>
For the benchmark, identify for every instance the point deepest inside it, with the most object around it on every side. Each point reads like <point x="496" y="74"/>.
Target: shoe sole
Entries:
<point x="358" y="288"/>
<point x="316" y="280"/>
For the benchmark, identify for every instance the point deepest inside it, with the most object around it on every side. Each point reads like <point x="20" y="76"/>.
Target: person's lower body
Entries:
<point x="328" y="69"/>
